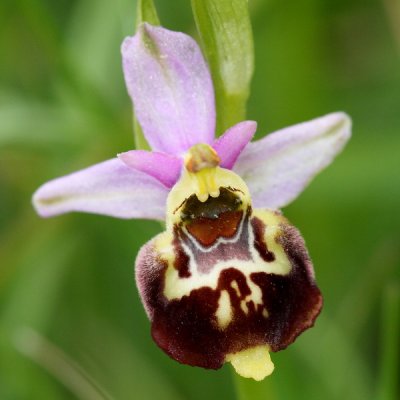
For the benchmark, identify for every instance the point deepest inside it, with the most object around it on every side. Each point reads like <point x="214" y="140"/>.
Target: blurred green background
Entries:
<point x="63" y="106"/>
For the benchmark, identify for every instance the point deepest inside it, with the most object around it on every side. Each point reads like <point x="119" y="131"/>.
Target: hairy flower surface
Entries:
<point x="230" y="279"/>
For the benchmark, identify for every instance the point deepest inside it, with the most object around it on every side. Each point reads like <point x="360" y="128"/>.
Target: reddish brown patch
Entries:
<point x="208" y="230"/>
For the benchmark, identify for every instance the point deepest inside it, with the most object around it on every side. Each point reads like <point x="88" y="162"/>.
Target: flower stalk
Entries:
<point x="388" y="385"/>
<point x="225" y="31"/>
<point x="145" y="12"/>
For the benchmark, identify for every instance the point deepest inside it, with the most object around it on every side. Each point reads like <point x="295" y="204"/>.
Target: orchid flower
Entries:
<point x="230" y="279"/>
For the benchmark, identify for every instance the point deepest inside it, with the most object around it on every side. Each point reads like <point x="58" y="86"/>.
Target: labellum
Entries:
<point x="225" y="282"/>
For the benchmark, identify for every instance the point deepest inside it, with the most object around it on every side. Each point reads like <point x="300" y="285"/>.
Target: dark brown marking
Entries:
<point x="259" y="241"/>
<point x="212" y="207"/>
<point x="181" y="262"/>
<point x="234" y="189"/>
<point x="180" y="205"/>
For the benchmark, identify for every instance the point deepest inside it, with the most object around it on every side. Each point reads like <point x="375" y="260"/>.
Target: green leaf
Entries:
<point x="249" y="389"/>
<point x="388" y="387"/>
<point x="225" y="30"/>
<point x="92" y="49"/>
<point x="145" y="12"/>
<point x="125" y="356"/>
<point x="49" y="356"/>
<point x="331" y="342"/>
<point x="31" y="287"/>
<point x="31" y="122"/>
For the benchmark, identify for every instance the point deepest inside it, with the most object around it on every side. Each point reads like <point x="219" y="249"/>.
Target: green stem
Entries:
<point x="225" y="30"/>
<point x="146" y="12"/>
<point x="388" y="384"/>
<point x="392" y="8"/>
<point x="249" y="389"/>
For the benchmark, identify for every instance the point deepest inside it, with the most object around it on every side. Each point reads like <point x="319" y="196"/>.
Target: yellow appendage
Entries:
<point x="204" y="184"/>
<point x="201" y="161"/>
<point x="252" y="363"/>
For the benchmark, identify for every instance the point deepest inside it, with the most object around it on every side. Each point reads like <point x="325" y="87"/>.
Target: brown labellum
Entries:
<point x="226" y="278"/>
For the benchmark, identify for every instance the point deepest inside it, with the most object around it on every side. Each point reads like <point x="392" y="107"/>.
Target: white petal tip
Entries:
<point x="42" y="204"/>
<point x="342" y="121"/>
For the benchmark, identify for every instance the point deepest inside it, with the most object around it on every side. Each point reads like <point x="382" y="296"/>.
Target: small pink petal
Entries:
<point x="233" y="141"/>
<point x="171" y="88"/>
<point x="109" y="188"/>
<point x="278" y="167"/>
<point x="164" y="167"/>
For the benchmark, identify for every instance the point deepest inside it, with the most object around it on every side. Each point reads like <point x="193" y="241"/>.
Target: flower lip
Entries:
<point x="212" y="304"/>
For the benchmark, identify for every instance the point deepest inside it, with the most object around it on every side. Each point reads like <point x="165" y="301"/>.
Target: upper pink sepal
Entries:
<point x="171" y="88"/>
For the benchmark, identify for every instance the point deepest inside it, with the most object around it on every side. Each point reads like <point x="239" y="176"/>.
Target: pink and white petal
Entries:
<point x="278" y="167"/>
<point x="171" y="88"/>
<point x="233" y="141"/>
<point x="164" y="167"/>
<point x="109" y="188"/>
